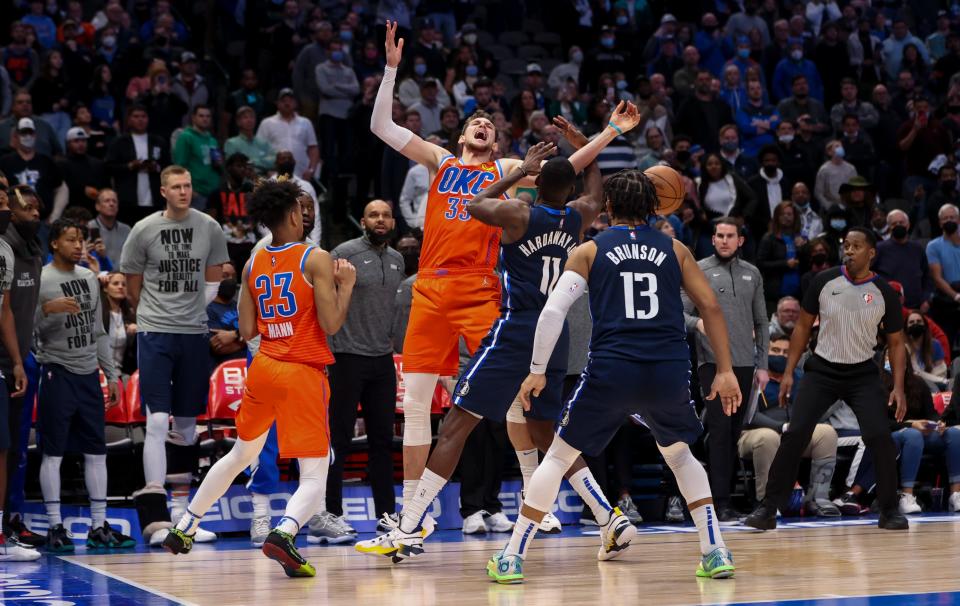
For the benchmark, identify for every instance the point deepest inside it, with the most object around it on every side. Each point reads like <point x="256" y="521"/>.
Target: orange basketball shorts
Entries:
<point x="444" y="309"/>
<point x="294" y="395"/>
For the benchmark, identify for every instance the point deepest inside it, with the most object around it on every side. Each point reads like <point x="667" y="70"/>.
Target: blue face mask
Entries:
<point x="838" y="224"/>
<point x="420" y="69"/>
<point x="472" y="70"/>
<point x="621" y="84"/>
<point x="606" y="42"/>
<point x="622" y="20"/>
<point x="777" y="364"/>
<point x="743" y="53"/>
<point x="336" y="56"/>
<point x="346" y="35"/>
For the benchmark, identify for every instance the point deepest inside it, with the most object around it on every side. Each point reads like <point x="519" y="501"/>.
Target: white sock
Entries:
<point x="311" y="492"/>
<point x="50" y="487"/>
<point x="586" y="486"/>
<point x="179" y="500"/>
<point x="95" y="476"/>
<point x="708" y="527"/>
<point x="261" y="505"/>
<point x="288" y="525"/>
<point x="409" y="487"/>
<point x="528" y="459"/>
<point x="426" y="491"/>
<point x="523" y="532"/>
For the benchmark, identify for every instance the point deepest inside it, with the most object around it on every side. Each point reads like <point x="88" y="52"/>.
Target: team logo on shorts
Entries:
<point x="566" y="417"/>
<point x="867" y="298"/>
<point x="464" y="389"/>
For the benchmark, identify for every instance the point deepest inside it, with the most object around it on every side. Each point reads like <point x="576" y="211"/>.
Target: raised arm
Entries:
<point x="381" y="122"/>
<point x="512" y="215"/>
<point x="590" y="203"/>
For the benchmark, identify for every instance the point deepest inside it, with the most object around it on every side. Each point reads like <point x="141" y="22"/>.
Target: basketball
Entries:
<point x="669" y="186"/>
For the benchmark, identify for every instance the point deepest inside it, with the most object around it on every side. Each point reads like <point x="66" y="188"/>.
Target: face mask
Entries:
<point x="577" y="57"/>
<point x="420" y="69"/>
<point x="950" y="228"/>
<point x="472" y="70"/>
<point x="28" y="141"/>
<point x="801" y="204"/>
<point x="730" y="146"/>
<point x="622" y="20"/>
<point x="683" y="156"/>
<point x="853" y="135"/>
<point x="818" y="259"/>
<point x="28" y="229"/>
<point x="606" y="42"/>
<point x="5" y="220"/>
<point x="899" y="232"/>
<point x="777" y="364"/>
<point x="470" y="39"/>
<point x="621" y="84"/>
<point x="743" y="53"/>
<point x="796" y="55"/>
<point x="411" y="261"/>
<point x="286" y="168"/>
<point x="916" y="330"/>
<point x="377" y="239"/>
<point x="336" y="56"/>
<point x="770" y="171"/>
<point x="786" y="138"/>
<point x="108" y="41"/>
<point x="838" y="224"/>
<point x="839" y="152"/>
<point x="346" y="35"/>
<point x="227" y="290"/>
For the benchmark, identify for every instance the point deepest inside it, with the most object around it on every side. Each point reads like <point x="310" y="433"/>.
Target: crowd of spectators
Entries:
<point x="799" y="119"/>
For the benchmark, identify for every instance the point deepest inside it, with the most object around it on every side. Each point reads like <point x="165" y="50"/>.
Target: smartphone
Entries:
<point x="94" y="234"/>
<point x="932" y="425"/>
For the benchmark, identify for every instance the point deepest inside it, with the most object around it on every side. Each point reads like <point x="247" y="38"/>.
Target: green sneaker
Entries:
<point x="105" y="537"/>
<point x="281" y="547"/>
<point x="178" y="541"/>
<point x="718" y="564"/>
<point x="505" y="569"/>
<point x="58" y="540"/>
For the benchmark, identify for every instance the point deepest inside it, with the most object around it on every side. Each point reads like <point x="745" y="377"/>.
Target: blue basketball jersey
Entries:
<point x="634" y="289"/>
<point x="533" y="264"/>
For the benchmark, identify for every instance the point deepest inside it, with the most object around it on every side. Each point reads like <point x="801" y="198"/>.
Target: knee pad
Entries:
<point x="515" y="413"/>
<point x="151" y="503"/>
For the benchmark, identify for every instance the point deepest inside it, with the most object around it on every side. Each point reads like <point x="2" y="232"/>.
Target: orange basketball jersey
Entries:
<point x="453" y="241"/>
<point x="286" y="313"/>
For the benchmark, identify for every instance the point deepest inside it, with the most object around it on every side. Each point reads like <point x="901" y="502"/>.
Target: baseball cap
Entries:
<point x="26" y="124"/>
<point x="77" y="133"/>
<point x="187" y="56"/>
<point x="668" y="18"/>
<point x="286" y="92"/>
<point x="534" y="68"/>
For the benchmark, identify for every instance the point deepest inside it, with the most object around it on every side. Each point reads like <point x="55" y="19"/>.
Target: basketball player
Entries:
<point x="534" y="247"/>
<point x="457" y="293"/>
<point x="293" y="296"/>
<point x="639" y="363"/>
<point x="71" y="343"/>
<point x="173" y="261"/>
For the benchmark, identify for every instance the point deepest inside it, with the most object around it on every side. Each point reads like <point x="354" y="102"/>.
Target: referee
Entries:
<point x="852" y="303"/>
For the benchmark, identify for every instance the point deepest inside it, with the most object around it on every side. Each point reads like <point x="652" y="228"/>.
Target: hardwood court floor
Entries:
<point x="783" y="565"/>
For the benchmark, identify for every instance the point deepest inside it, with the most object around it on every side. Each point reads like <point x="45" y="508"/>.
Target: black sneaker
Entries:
<point x="105" y="537"/>
<point x="18" y="530"/>
<point x="763" y="517"/>
<point x="729" y="514"/>
<point x="849" y="505"/>
<point x="178" y="541"/>
<point x="281" y="548"/>
<point x="893" y="520"/>
<point x="58" y="541"/>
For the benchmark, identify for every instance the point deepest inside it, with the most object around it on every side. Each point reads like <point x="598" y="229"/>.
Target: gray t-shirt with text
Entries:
<point x="173" y="257"/>
<point x="6" y="267"/>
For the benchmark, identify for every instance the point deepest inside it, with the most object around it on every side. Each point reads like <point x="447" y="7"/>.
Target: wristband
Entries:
<point x="615" y="127"/>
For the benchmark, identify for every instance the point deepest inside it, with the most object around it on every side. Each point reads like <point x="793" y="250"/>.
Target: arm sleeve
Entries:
<point x="570" y="287"/>
<point x="893" y="314"/>
<point x="381" y="121"/>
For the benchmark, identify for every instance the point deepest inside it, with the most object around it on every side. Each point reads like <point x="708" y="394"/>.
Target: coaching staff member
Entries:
<point x="852" y="303"/>
<point x="739" y="290"/>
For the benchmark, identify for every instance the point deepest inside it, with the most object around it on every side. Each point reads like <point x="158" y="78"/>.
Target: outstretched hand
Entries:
<point x="570" y="132"/>
<point x="535" y="157"/>
<point x="394" y="48"/>
<point x="626" y="116"/>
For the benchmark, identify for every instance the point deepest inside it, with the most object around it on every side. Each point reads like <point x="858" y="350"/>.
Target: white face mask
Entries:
<point x="28" y="141"/>
<point x="796" y="55"/>
<point x="786" y="138"/>
<point x="470" y="39"/>
<point x="109" y="41"/>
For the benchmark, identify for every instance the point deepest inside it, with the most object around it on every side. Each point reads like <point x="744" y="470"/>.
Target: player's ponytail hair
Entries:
<point x="271" y="201"/>
<point x="631" y="196"/>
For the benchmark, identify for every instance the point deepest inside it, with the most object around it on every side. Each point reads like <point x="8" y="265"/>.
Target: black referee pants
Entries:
<point x="723" y="432"/>
<point x="823" y="384"/>
<point x="370" y="381"/>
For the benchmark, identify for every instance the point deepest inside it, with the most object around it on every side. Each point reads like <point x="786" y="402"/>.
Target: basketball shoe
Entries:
<point x="259" y="529"/>
<point x="105" y="537"/>
<point x="718" y="564"/>
<point x="177" y="541"/>
<point x="389" y="544"/>
<point x="615" y="535"/>
<point x="550" y="524"/>
<point x="326" y="527"/>
<point x="12" y="550"/>
<point x="18" y="530"/>
<point x="505" y="569"/>
<point x="281" y="548"/>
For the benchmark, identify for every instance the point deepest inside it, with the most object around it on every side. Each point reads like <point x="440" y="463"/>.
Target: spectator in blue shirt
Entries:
<point x="756" y="120"/>
<point x="796" y="65"/>
<point x="42" y="24"/>
<point x="710" y="44"/>
<point x="943" y="257"/>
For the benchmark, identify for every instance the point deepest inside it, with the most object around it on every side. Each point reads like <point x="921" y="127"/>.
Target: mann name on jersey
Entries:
<point x="640" y="252"/>
<point x="553" y="238"/>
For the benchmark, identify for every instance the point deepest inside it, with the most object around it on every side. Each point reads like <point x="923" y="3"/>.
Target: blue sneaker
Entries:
<point x="718" y="564"/>
<point x="505" y="569"/>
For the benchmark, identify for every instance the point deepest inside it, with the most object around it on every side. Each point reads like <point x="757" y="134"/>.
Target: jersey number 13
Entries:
<point x="649" y="291"/>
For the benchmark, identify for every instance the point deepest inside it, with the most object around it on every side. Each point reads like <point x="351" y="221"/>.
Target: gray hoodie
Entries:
<point x="739" y="290"/>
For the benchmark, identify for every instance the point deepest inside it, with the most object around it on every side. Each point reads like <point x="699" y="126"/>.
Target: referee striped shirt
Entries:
<point x="851" y="314"/>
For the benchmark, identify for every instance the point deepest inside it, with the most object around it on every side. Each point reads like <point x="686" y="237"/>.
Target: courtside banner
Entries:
<point x="232" y="512"/>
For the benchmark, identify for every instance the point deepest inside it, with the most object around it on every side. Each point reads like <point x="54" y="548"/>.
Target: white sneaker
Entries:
<point x="615" y="535"/>
<point x="12" y="550"/>
<point x="550" y="524"/>
<point x="156" y="539"/>
<point x="394" y="544"/>
<point x="474" y="524"/>
<point x="955" y="502"/>
<point x="908" y="504"/>
<point x="498" y="522"/>
<point x="429" y="525"/>
<point x="259" y="529"/>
